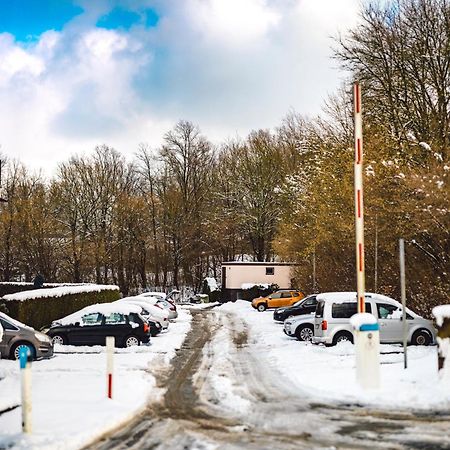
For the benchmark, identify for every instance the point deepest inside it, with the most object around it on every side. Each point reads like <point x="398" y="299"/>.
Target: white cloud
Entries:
<point x="228" y="65"/>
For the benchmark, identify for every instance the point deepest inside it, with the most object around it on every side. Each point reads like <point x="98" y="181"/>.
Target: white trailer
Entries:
<point x="237" y="275"/>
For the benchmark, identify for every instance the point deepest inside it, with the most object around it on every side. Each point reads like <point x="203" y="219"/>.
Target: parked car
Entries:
<point x="161" y="295"/>
<point x="300" y="327"/>
<point x="334" y="309"/>
<point x="152" y="310"/>
<point x="169" y="307"/>
<point x="91" y="326"/>
<point x="306" y="305"/>
<point x="285" y="297"/>
<point x="17" y="335"/>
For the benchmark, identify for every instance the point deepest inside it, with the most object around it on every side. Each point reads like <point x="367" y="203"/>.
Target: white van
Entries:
<point x="334" y="309"/>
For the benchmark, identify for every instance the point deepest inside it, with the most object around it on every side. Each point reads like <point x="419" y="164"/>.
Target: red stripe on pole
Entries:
<point x="357" y="98"/>
<point x="362" y="306"/>
<point x="358" y="194"/>
<point x="358" y="151"/>
<point x="360" y="251"/>
<point x="109" y="385"/>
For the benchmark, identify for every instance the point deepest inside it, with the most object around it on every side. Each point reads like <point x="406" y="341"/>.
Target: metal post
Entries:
<point x="109" y="365"/>
<point x="25" y="371"/>
<point x="375" y="275"/>
<point x="359" y="206"/>
<point x="314" y="270"/>
<point x="403" y="296"/>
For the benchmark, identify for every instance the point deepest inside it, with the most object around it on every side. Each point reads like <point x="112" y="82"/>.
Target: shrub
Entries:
<point x="38" y="308"/>
<point x="258" y="291"/>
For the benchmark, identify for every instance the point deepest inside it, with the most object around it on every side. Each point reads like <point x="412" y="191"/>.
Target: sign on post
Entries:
<point x="25" y="371"/>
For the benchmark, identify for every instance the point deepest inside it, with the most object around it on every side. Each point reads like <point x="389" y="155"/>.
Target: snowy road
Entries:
<point x="222" y="393"/>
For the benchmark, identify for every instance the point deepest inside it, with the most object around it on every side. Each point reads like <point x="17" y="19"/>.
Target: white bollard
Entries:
<point x="367" y="350"/>
<point x="109" y="365"/>
<point x="25" y="371"/>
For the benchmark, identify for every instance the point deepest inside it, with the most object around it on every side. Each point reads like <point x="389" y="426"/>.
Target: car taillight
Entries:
<point x="324" y="325"/>
<point x="159" y="306"/>
<point x="146" y="328"/>
<point x="172" y="308"/>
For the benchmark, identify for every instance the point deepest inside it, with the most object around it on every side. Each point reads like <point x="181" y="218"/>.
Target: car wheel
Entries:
<point x="261" y="307"/>
<point x="131" y="341"/>
<point x="59" y="339"/>
<point x="15" y="351"/>
<point x="421" y="337"/>
<point x="343" y="336"/>
<point x="304" y="333"/>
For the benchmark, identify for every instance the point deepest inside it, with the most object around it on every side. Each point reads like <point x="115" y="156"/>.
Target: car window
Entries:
<point x="92" y="319"/>
<point x="346" y="310"/>
<point x="319" y="309"/>
<point x="115" y="319"/>
<point x="387" y="311"/>
<point x="276" y="295"/>
<point x="310" y="302"/>
<point x="6" y="325"/>
<point x="286" y="295"/>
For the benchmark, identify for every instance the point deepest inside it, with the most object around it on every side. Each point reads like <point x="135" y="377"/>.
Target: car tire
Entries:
<point x="304" y="333"/>
<point x="59" y="339"/>
<point x="342" y="336"/>
<point x="421" y="337"/>
<point x="261" y="307"/>
<point x="131" y="341"/>
<point x="16" y="349"/>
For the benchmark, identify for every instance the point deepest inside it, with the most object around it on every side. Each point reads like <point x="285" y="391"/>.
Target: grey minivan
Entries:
<point x="334" y="310"/>
<point x="16" y="335"/>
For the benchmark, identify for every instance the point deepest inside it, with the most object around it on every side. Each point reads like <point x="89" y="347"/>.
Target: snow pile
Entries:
<point x="59" y="291"/>
<point x="361" y="319"/>
<point x="441" y="313"/>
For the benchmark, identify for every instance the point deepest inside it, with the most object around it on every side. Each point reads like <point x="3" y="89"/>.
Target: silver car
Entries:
<point x="16" y="335"/>
<point x="334" y="309"/>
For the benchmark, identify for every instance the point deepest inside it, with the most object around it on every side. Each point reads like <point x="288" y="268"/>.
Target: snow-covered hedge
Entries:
<point x="11" y="287"/>
<point x="40" y="307"/>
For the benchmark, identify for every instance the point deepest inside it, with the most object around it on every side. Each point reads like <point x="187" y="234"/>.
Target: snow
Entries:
<point x="70" y="407"/>
<point x="328" y="373"/>
<point x="212" y="284"/>
<point x="59" y="291"/>
<point x="441" y="313"/>
<point x="361" y="319"/>
<point x="251" y="285"/>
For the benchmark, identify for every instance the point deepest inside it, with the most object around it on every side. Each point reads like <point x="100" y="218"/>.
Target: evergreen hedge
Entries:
<point x="40" y="312"/>
<point x="258" y="291"/>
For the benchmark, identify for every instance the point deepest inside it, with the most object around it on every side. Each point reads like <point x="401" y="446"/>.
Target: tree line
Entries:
<point x="173" y="214"/>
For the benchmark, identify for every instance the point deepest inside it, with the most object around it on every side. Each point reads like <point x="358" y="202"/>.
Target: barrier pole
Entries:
<point x="109" y="365"/>
<point x="25" y="371"/>
<point x="359" y="205"/>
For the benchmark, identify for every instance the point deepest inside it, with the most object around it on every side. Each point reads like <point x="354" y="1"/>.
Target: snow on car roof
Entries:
<point x="102" y="308"/>
<point x="153" y="294"/>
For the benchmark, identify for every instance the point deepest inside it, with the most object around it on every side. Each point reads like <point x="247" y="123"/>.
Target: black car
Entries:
<point x="306" y="305"/>
<point x="155" y="327"/>
<point x="91" y="326"/>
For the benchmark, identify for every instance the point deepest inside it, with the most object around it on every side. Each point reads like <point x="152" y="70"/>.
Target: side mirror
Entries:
<point x="77" y="324"/>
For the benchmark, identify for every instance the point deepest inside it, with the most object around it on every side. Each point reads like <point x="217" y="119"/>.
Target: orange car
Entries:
<point x="277" y="299"/>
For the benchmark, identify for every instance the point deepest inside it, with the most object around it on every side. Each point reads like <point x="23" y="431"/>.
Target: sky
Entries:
<point x="79" y="73"/>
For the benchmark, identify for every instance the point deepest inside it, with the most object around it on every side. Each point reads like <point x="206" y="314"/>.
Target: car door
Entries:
<point x="116" y="325"/>
<point x="9" y="333"/>
<point x="274" y="300"/>
<point x="89" y="331"/>
<point x="389" y="321"/>
<point x="309" y="306"/>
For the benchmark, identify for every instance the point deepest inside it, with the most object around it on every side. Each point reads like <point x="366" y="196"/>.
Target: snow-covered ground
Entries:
<point x="70" y="407"/>
<point x="328" y="373"/>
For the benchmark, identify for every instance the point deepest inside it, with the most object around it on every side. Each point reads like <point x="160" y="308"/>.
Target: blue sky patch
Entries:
<point x="27" y="19"/>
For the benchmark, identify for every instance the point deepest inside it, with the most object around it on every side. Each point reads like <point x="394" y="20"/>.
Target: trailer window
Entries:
<point x="270" y="270"/>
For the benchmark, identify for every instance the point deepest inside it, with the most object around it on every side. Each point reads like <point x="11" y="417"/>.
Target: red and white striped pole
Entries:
<point x="110" y="342"/>
<point x="359" y="205"/>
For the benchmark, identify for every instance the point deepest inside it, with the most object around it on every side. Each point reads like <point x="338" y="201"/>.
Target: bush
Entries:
<point x="41" y="307"/>
<point x="258" y="291"/>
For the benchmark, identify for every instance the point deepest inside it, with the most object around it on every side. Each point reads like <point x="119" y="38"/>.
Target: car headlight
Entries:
<point x="42" y="337"/>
